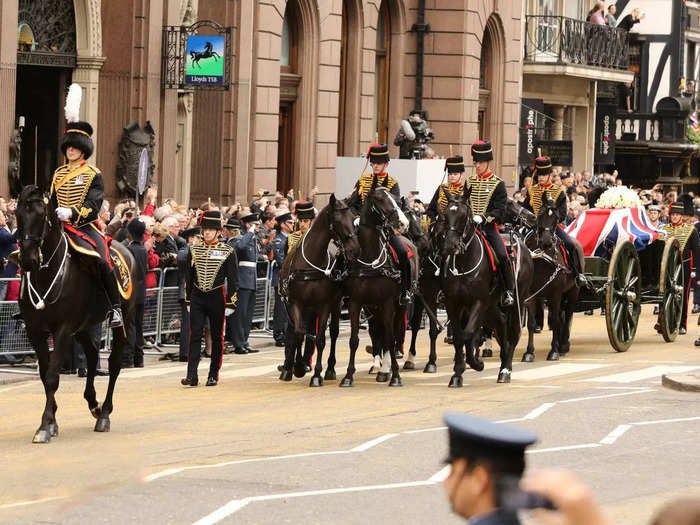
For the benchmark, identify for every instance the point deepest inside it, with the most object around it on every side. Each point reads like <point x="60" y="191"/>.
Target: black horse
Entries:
<point x="61" y="295"/>
<point x="472" y="291"/>
<point x="201" y="55"/>
<point x="311" y="294"/>
<point x="553" y="282"/>
<point x="428" y="287"/>
<point x="374" y="282"/>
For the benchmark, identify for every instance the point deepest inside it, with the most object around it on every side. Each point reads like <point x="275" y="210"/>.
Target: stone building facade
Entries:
<point x="310" y="80"/>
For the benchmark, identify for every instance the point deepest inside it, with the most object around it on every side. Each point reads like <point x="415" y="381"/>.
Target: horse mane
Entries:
<point x="29" y="191"/>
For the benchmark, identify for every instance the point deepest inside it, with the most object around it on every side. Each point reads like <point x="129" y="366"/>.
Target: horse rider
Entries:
<point x="454" y="166"/>
<point x="285" y="223"/>
<point x="77" y="191"/>
<point x="247" y="253"/>
<point x="305" y="217"/>
<point x="684" y="232"/>
<point x="533" y="201"/>
<point x="212" y="265"/>
<point x="379" y="160"/>
<point x="488" y="200"/>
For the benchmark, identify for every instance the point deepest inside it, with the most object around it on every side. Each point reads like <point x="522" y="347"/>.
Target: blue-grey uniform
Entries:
<point x="233" y="226"/>
<point x="479" y="440"/>
<point x="279" y="250"/>
<point x="247" y="252"/>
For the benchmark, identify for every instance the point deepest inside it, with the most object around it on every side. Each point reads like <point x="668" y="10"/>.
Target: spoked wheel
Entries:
<point x="671" y="289"/>
<point x="623" y="302"/>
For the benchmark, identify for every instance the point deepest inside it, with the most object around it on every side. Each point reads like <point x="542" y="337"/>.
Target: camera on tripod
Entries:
<point x="413" y="136"/>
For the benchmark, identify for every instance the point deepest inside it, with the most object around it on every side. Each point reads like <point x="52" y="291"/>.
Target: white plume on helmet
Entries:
<point x="73" y="99"/>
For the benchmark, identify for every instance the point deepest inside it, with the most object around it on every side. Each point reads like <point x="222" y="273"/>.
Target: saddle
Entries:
<point x="489" y="249"/>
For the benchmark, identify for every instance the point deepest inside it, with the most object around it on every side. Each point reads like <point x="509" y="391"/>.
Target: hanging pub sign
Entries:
<point x="531" y="110"/>
<point x="560" y="151"/>
<point x="197" y="57"/>
<point x="605" y="133"/>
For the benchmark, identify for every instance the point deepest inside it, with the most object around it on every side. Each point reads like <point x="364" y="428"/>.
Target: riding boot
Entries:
<point x="508" y="282"/>
<point x="405" y="297"/>
<point x="110" y="284"/>
<point x="577" y="268"/>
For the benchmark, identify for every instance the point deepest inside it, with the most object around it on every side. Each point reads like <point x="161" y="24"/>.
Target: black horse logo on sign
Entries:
<point x="201" y="55"/>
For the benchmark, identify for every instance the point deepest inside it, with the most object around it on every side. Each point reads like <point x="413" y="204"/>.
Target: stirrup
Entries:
<point x="116" y="319"/>
<point x="507" y="299"/>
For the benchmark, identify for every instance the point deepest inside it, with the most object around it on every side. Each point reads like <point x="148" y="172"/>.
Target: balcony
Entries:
<point x="637" y="127"/>
<point x="557" y="45"/>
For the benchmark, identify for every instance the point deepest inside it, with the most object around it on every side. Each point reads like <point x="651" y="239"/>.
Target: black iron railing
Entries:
<point x="562" y="40"/>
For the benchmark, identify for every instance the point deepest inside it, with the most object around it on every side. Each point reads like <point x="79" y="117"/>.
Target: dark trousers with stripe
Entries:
<point x="203" y="306"/>
<point x="279" y="319"/>
<point x="184" y="331"/>
<point x="243" y="317"/>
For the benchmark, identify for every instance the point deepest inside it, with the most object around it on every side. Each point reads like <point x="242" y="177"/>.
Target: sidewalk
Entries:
<point x="689" y="382"/>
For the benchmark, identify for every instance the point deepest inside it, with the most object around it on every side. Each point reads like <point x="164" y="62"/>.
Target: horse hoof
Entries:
<point x="42" y="436"/>
<point x="382" y="377"/>
<point x="456" y="382"/>
<point x="102" y="425"/>
<point x="399" y="354"/>
<point x="347" y="382"/>
<point x="396" y="381"/>
<point x="487" y="352"/>
<point x="316" y="381"/>
<point x="96" y="411"/>
<point x="330" y="375"/>
<point x="53" y="430"/>
<point x="553" y="356"/>
<point x="430" y="368"/>
<point x="373" y="369"/>
<point x="299" y="370"/>
<point x="286" y="375"/>
<point x="528" y="357"/>
<point x="409" y="365"/>
<point x="504" y="376"/>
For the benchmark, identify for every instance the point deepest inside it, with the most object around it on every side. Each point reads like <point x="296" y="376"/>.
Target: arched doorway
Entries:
<point x="46" y="57"/>
<point x="350" y="79"/>
<point x="491" y="88"/>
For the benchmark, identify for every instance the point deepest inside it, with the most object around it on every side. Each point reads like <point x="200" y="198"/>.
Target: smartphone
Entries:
<point x="512" y="498"/>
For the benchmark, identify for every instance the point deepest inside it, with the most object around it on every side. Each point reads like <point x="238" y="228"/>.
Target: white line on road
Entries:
<point x="559" y="449"/>
<point x="15" y="387"/>
<point x="661" y="421"/>
<point x="441" y="475"/>
<point x="605" y="396"/>
<point x="644" y="373"/>
<point x="372" y="443"/>
<point x="553" y="370"/>
<point x="534" y="414"/>
<point x="616" y="433"/>
<point x="30" y="502"/>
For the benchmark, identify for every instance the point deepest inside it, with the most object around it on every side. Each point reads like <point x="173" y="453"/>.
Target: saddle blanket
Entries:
<point x="598" y="229"/>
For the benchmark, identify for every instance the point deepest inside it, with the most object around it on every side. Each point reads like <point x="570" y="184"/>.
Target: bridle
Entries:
<point x="384" y="220"/>
<point x="470" y="232"/>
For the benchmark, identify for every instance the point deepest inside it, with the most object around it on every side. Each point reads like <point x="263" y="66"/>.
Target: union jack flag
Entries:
<point x="599" y="229"/>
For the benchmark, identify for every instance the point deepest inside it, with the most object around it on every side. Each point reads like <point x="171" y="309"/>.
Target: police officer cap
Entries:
<point x="454" y="164"/>
<point x="136" y="229"/>
<point x="233" y="224"/>
<point x="211" y="220"/>
<point x="251" y="217"/>
<point x="284" y="217"/>
<point x="305" y="210"/>
<point x="475" y="437"/>
<point x="654" y="207"/>
<point x="482" y="151"/>
<point x="378" y="153"/>
<point x="190" y="232"/>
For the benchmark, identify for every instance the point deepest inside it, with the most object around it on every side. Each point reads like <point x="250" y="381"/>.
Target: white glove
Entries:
<point x="692" y="275"/>
<point x="251" y="228"/>
<point x="188" y="308"/>
<point x="478" y="219"/>
<point x="64" y="214"/>
<point x="356" y="222"/>
<point x="228" y="311"/>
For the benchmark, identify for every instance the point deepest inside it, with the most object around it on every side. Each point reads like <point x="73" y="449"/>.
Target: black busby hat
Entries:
<point x="454" y="164"/>
<point x="211" y="220"/>
<point x="233" y="224"/>
<point x="305" y="210"/>
<point x="79" y="135"/>
<point x="478" y="438"/>
<point x="543" y="165"/>
<point x="482" y="151"/>
<point x="190" y="232"/>
<point x="136" y="229"/>
<point x="378" y="153"/>
<point x="684" y="205"/>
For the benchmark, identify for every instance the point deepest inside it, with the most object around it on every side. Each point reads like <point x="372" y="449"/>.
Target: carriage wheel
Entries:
<point x="671" y="289"/>
<point x="623" y="297"/>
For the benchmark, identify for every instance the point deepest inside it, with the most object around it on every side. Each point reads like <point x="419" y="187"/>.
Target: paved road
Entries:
<point x="255" y="450"/>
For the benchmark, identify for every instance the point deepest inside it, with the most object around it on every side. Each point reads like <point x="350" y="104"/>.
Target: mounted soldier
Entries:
<point x="379" y="160"/>
<point x="543" y="189"/>
<point x="687" y="236"/>
<point x="488" y="200"/>
<point x="454" y="166"/>
<point x="77" y="191"/>
<point x="305" y="216"/>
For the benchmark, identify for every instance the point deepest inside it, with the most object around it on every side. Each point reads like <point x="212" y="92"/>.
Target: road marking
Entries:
<point x="432" y="429"/>
<point x="616" y="433"/>
<point x="661" y="421"/>
<point x="644" y="373"/>
<point x="373" y="443"/>
<point x="538" y="411"/>
<point x="606" y="396"/>
<point x="252" y="371"/>
<point x="15" y="387"/>
<point x="31" y="502"/>
<point x="441" y="475"/>
<point x="552" y="370"/>
<point x="559" y="449"/>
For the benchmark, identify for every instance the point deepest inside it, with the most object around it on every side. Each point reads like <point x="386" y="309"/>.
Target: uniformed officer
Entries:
<point x="285" y="222"/>
<point x="485" y="457"/>
<point x="454" y="166"/>
<point x="379" y="160"/>
<point x="77" y="190"/>
<point x="306" y="214"/>
<point x="191" y="236"/>
<point x="133" y="351"/>
<point x="213" y="265"/>
<point x="488" y="202"/>
<point x="232" y="229"/>
<point x="247" y="252"/>
<point x="533" y="202"/>
<point x="689" y="242"/>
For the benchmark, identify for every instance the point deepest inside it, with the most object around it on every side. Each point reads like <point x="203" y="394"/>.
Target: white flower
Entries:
<point x="618" y="197"/>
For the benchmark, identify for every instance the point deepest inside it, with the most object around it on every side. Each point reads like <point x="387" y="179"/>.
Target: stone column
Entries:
<point x="8" y="81"/>
<point x="87" y="74"/>
<point x="558" y="125"/>
<point x="184" y="148"/>
<point x="244" y="131"/>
